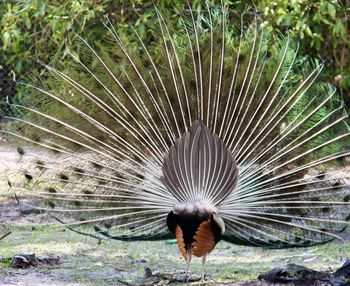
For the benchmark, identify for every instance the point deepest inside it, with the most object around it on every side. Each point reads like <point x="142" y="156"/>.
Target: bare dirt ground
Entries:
<point x="73" y="259"/>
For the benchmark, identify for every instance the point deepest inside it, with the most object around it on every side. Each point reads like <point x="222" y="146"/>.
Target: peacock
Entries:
<point x="218" y="129"/>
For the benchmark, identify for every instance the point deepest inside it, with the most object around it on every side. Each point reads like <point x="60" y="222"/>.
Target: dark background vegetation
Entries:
<point x="42" y="30"/>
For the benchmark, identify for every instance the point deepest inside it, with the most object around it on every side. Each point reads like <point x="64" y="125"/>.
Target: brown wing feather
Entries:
<point x="204" y="240"/>
<point x="180" y="241"/>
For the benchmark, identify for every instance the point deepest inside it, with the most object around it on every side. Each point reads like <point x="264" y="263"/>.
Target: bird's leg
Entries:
<point x="204" y="259"/>
<point x="188" y="261"/>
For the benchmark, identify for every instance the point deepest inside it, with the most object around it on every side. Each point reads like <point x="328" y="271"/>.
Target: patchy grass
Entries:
<point x="86" y="262"/>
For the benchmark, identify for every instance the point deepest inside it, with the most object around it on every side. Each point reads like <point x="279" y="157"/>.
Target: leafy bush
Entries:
<point x="45" y="30"/>
<point x="323" y="28"/>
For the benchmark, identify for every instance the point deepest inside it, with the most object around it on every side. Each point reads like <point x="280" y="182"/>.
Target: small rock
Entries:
<point x="52" y="259"/>
<point x="141" y="260"/>
<point x="188" y="278"/>
<point x="148" y="272"/>
<point x="24" y="260"/>
<point x="28" y="211"/>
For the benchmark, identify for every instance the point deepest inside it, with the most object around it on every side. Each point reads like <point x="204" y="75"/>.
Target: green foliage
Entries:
<point x="323" y="29"/>
<point x="42" y="29"/>
<point x="45" y="30"/>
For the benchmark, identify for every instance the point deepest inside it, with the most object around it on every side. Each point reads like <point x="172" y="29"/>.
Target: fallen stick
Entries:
<point x="2" y="236"/>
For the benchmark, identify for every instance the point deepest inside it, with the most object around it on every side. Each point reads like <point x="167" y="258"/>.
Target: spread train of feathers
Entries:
<point x="219" y="115"/>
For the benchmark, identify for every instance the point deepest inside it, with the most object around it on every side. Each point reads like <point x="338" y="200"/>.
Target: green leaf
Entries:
<point x="27" y="22"/>
<point x="6" y="39"/>
<point x="331" y="10"/>
<point x="19" y="67"/>
<point x="339" y="29"/>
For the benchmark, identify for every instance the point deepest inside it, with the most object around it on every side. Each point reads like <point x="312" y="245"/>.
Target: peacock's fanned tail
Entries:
<point x="93" y="135"/>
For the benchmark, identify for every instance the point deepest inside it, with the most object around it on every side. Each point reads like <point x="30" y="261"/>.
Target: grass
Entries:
<point x="86" y="262"/>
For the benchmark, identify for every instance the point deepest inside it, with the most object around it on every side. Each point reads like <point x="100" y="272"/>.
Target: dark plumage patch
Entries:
<point x="96" y="165"/>
<point x="102" y="182"/>
<point x="193" y="228"/>
<point x="51" y="190"/>
<point x="51" y="204"/>
<point x="76" y="145"/>
<point x="40" y="165"/>
<point x="119" y="176"/>
<point x="20" y="151"/>
<point x="28" y="177"/>
<point x="188" y="224"/>
<point x="77" y="203"/>
<point x="321" y="175"/>
<point x="107" y="225"/>
<point x="79" y="171"/>
<point x="268" y="54"/>
<point x="141" y="177"/>
<point x="55" y="149"/>
<point x="193" y="84"/>
<point x="168" y="141"/>
<point x="64" y="177"/>
<point x="147" y="64"/>
<point x="336" y="184"/>
<point x="137" y="159"/>
<point x="36" y="137"/>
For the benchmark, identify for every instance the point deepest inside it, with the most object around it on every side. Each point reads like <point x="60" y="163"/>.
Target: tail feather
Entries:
<point x="98" y="135"/>
<point x="199" y="167"/>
